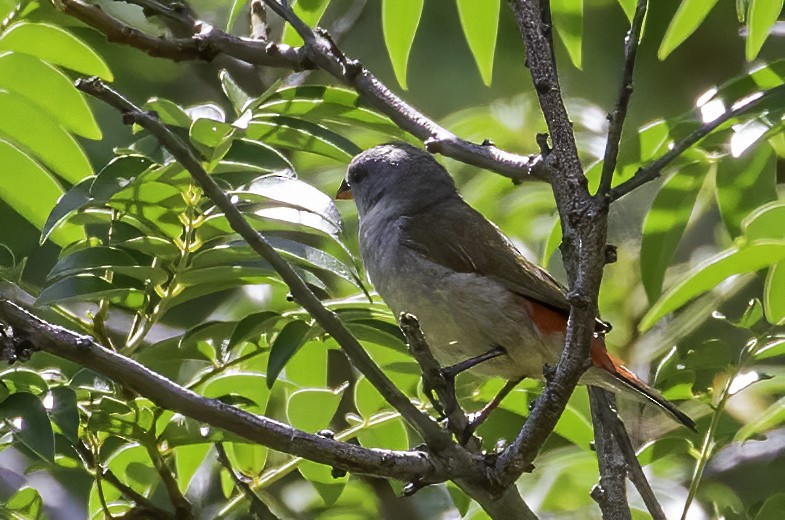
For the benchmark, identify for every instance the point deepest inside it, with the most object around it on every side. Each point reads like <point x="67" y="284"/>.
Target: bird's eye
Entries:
<point x="356" y="175"/>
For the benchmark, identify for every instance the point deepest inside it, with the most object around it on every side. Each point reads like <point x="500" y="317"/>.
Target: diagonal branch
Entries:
<point x="85" y="352"/>
<point x="652" y="170"/>
<point x="619" y="114"/>
<point x="320" y="51"/>
<point x="431" y="433"/>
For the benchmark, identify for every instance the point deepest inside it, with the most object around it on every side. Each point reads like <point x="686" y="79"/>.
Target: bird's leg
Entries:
<point x="451" y="372"/>
<point x="477" y="418"/>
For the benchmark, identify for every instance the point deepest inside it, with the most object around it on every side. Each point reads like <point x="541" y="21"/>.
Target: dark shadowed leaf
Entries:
<point x="297" y="134"/>
<point x="286" y="343"/>
<point x="745" y="183"/>
<point x="30" y="422"/>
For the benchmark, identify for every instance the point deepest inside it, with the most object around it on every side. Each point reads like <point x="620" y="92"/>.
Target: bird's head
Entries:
<point x="403" y="178"/>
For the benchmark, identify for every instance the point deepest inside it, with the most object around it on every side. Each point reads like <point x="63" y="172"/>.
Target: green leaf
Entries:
<point x="259" y="155"/>
<point x="187" y="459"/>
<point x="247" y="458"/>
<point x="748" y="258"/>
<point x="296" y="134"/>
<point x="319" y="103"/>
<point x="252" y="387"/>
<point x="688" y="18"/>
<point x="30" y="423"/>
<point x="660" y="448"/>
<point x="69" y="202"/>
<point x="568" y="22"/>
<point x="55" y="45"/>
<point x="31" y="191"/>
<point x="152" y="246"/>
<point x="400" y="19"/>
<point x="34" y="129"/>
<point x="312" y="409"/>
<point x="64" y="412"/>
<point x="774" y="505"/>
<point x="761" y="17"/>
<point x="480" y="22"/>
<point x="745" y="183"/>
<point x="389" y="435"/>
<point x="169" y="112"/>
<point x="252" y="326"/>
<point x="773" y="416"/>
<point x="665" y="224"/>
<point x="773" y="302"/>
<point x="89" y="288"/>
<point x="43" y="85"/>
<point x="212" y="138"/>
<point x="310" y="12"/>
<point x="286" y="343"/>
<point x="117" y="175"/>
<point x="234" y="93"/>
<point x="628" y="6"/>
<point x="26" y="501"/>
<point x="104" y="258"/>
<point x="765" y="222"/>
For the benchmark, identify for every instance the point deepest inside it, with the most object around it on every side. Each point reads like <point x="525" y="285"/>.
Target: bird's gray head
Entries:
<point x="403" y="178"/>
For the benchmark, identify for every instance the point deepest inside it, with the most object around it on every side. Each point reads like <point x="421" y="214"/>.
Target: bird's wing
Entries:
<point x="456" y="236"/>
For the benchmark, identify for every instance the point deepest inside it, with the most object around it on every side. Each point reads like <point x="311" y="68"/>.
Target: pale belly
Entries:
<point x="464" y="315"/>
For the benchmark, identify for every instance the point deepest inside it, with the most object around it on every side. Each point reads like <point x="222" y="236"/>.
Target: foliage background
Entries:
<point x="692" y="355"/>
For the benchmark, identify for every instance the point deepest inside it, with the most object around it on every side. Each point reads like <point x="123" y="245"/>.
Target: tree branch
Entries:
<point x="207" y="42"/>
<point x="433" y="381"/>
<point x="652" y="170"/>
<point x="619" y="114"/>
<point x="611" y="492"/>
<point x="85" y="352"/>
<point x="613" y="424"/>
<point x="583" y="248"/>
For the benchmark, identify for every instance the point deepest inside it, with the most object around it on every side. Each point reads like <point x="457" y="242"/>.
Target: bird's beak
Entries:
<point x="344" y="191"/>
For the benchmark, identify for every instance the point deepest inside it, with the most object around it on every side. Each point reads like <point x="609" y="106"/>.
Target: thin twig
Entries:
<point x="402" y="465"/>
<point x="433" y="435"/>
<point x="611" y="492"/>
<point x="619" y="114"/>
<point x="652" y="170"/>
<point x="258" y="508"/>
<point x="433" y="380"/>
<point x="181" y="506"/>
<point x="613" y="423"/>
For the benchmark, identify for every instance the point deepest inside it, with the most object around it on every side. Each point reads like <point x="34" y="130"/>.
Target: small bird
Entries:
<point x="479" y="302"/>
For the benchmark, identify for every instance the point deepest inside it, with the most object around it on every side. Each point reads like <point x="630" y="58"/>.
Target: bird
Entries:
<point x="480" y="304"/>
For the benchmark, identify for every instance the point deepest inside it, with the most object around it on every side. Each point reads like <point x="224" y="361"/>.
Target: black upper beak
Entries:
<point x="344" y="191"/>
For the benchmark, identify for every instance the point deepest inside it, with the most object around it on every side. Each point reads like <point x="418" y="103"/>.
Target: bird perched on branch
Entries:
<point x="480" y="303"/>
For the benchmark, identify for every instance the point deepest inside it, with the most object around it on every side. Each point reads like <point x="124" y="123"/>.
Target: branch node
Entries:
<point x="337" y="473"/>
<point x="543" y="86"/>
<point x="578" y="300"/>
<point x="327" y="434"/>
<point x="542" y="143"/>
<point x="597" y="493"/>
<point x="611" y="255"/>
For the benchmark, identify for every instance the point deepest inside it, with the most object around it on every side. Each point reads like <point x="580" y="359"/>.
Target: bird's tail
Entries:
<point x="610" y="373"/>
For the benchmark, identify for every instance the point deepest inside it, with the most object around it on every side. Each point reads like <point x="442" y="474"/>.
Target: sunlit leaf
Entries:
<point x="29" y="189"/>
<point x="480" y="22"/>
<point x="35" y="130"/>
<point x="761" y="17"/>
<point x="69" y="202"/>
<point x="310" y="12"/>
<point x="704" y="277"/>
<point x="688" y="18"/>
<point x="400" y="19"/>
<point x="773" y="291"/>
<point x="55" y="45"/>
<point x="764" y="421"/>
<point x="568" y="22"/>
<point x="296" y="134"/>
<point x="311" y="409"/>
<point x="50" y="89"/>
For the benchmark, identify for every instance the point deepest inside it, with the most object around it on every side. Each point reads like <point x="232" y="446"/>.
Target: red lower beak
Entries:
<point x="344" y="192"/>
